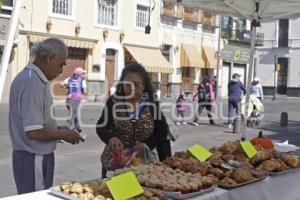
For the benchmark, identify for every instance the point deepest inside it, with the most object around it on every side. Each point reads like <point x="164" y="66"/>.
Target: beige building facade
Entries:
<point x="192" y="37"/>
<point x="104" y="35"/>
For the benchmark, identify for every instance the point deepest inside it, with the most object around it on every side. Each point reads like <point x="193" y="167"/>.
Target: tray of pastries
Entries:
<point x="240" y="177"/>
<point x="173" y="183"/>
<point x="287" y="163"/>
<point x="268" y="161"/>
<point x="95" y="190"/>
<point x="179" y="195"/>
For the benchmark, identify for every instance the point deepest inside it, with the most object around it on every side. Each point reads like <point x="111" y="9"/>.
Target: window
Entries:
<point x="62" y="8"/>
<point x="283" y="36"/>
<point x="6" y="8"/>
<point x="188" y="72"/>
<point x="107" y="12"/>
<point x="226" y="27"/>
<point x="142" y="15"/>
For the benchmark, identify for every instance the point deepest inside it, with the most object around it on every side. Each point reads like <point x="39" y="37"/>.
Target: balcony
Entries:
<point x="192" y="17"/>
<point x="209" y="21"/>
<point x="6" y="8"/>
<point x="242" y="36"/>
<point x="170" y="12"/>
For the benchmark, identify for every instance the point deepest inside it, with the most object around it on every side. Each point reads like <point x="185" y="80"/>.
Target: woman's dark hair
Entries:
<point x="140" y="71"/>
<point x="206" y="79"/>
<point x="181" y="96"/>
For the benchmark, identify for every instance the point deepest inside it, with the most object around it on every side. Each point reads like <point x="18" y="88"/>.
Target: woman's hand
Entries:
<point x="115" y="144"/>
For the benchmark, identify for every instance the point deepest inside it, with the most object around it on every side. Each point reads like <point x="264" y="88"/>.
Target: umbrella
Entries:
<point x="254" y="10"/>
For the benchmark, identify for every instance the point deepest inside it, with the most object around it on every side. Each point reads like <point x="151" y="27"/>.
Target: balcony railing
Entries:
<point x="209" y="21"/>
<point x="170" y="12"/>
<point x="192" y="17"/>
<point x="243" y="36"/>
<point x="6" y="8"/>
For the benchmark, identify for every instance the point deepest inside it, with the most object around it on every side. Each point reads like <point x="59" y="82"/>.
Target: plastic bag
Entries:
<point x="173" y="131"/>
<point x="147" y="156"/>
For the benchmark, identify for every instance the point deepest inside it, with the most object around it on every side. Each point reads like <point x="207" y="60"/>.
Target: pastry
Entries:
<point x="76" y="188"/>
<point x="242" y="175"/>
<point x="291" y="160"/>
<point x="269" y="166"/>
<point x="217" y="172"/>
<point x="228" y="182"/>
<point x="260" y="157"/>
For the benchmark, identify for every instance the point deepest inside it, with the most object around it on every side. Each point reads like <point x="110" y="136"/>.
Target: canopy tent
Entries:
<point x="254" y="10"/>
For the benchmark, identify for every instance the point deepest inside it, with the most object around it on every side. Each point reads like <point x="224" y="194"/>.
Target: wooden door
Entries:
<point x="76" y="58"/>
<point x="109" y="69"/>
<point x="282" y="76"/>
<point x="164" y="84"/>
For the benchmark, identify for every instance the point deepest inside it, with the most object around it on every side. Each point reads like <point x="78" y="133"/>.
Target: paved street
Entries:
<point x="81" y="162"/>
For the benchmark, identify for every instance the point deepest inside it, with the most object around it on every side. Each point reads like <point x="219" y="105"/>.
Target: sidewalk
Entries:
<point x="82" y="162"/>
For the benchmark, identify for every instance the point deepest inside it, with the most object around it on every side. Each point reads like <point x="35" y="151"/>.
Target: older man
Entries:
<point x="33" y="130"/>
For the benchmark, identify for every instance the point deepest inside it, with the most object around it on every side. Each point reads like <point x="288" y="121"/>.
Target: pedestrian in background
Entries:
<point x="235" y="91"/>
<point x="76" y="86"/>
<point x="206" y="97"/>
<point x="181" y="109"/>
<point x="256" y="89"/>
<point x="33" y="131"/>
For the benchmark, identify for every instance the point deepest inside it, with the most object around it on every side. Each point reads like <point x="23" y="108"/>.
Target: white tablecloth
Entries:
<point x="284" y="187"/>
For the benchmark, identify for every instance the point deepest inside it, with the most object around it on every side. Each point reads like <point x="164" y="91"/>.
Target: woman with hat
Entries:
<point x="76" y="86"/>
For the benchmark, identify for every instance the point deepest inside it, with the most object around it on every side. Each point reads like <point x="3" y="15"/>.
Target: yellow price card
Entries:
<point x="124" y="186"/>
<point x="199" y="152"/>
<point x="249" y="149"/>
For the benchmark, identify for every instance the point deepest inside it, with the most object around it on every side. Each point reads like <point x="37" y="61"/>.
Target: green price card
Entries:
<point x="249" y="149"/>
<point x="124" y="186"/>
<point x="199" y="152"/>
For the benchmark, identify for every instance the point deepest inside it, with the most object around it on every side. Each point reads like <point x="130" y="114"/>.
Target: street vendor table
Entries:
<point x="280" y="187"/>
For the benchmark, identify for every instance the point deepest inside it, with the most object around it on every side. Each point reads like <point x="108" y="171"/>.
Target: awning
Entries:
<point x="191" y="56"/>
<point x="151" y="59"/>
<point x="69" y="42"/>
<point x="209" y="57"/>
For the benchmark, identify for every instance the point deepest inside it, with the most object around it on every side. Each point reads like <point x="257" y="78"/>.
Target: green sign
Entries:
<point x="199" y="152"/>
<point x="236" y="54"/>
<point x="124" y="186"/>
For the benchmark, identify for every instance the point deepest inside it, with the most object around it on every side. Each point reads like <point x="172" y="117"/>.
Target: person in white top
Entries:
<point x="256" y="89"/>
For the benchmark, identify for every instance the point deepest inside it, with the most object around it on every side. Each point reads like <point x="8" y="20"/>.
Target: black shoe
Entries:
<point x="78" y="130"/>
<point x="212" y="122"/>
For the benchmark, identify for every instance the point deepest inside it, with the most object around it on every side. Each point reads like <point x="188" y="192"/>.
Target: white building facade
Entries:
<point x="281" y="46"/>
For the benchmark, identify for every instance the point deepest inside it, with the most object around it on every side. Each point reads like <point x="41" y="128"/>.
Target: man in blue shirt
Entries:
<point x="235" y="91"/>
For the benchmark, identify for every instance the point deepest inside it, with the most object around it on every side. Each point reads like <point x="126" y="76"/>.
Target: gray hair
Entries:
<point x="48" y="47"/>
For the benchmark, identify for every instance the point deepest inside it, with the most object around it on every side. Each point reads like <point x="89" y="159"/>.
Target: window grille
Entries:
<point x="107" y="12"/>
<point x="62" y="7"/>
<point x="142" y="15"/>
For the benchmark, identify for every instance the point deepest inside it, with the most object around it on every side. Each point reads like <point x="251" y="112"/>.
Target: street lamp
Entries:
<point x="148" y="27"/>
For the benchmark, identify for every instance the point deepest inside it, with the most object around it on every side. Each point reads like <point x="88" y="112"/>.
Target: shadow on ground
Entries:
<point x="290" y="133"/>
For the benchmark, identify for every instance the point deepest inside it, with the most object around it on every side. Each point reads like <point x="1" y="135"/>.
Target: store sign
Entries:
<point x="236" y="54"/>
<point x="199" y="152"/>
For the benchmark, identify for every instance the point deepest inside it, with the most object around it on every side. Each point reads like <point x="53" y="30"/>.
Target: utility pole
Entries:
<point x="275" y="78"/>
<point x="218" y="59"/>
